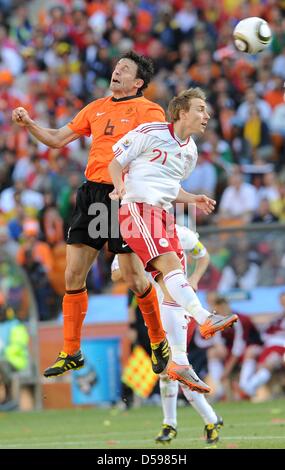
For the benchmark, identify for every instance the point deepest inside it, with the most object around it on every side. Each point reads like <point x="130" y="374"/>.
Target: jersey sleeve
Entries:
<point x="130" y="146"/>
<point x="81" y="122"/>
<point x="152" y="113"/>
<point x="190" y="242"/>
<point x="198" y="251"/>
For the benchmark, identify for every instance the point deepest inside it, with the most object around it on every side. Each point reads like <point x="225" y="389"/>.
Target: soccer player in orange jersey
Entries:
<point x="106" y="120"/>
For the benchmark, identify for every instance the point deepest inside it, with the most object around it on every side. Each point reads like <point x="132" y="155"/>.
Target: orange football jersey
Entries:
<point x="107" y="120"/>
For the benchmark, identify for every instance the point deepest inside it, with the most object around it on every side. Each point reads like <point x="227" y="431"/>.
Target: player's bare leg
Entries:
<point x="79" y="259"/>
<point x="133" y="273"/>
<point x="175" y="324"/>
<point x="180" y="290"/>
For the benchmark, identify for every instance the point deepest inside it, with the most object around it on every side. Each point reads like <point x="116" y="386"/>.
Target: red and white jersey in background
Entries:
<point x="243" y="334"/>
<point x="236" y="339"/>
<point x="157" y="161"/>
<point x="275" y="333"/>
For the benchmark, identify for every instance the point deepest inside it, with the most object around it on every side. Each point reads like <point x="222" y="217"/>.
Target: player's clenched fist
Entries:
<point x="21" y="116"/>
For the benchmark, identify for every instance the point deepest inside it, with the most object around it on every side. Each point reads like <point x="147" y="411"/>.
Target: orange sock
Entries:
<point x="149" y="308"/>
<point x="74" y="311"/>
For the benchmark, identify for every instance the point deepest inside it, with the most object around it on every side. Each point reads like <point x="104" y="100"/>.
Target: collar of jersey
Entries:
<point x="175" y="137"/>
<point x="126" y="98"/>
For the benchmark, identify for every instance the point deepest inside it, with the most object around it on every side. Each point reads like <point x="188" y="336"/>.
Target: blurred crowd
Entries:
<point x="56" y="57"/>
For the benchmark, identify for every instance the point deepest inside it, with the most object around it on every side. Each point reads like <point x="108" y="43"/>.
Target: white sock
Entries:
<point x="168" y="393"/>
<point x="260" y="378"/>
<point x="200" y="404"/>
<point x="175" y="325"/>
<point x="181" y="291"/>
<point x="246" y="373"/>
<point x="216" y="370"/>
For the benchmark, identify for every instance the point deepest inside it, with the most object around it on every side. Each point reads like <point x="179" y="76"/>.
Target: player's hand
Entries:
<point x="117" y="193"/>
<point x="21" y="117"/>
<point x="205" y="203"/>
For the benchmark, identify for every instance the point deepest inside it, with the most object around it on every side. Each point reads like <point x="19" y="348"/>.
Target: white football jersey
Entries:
<point x="157" y="161"/>
<point x="189" y="241"/>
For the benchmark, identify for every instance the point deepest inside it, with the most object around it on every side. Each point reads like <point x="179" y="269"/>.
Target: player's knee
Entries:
<point x="213" y="353"/>
<point x="74" y="278"/>
<point x="138" y="284"/>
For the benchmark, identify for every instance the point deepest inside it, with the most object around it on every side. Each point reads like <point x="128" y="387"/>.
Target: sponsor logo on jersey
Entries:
<point x="163" y="242"/>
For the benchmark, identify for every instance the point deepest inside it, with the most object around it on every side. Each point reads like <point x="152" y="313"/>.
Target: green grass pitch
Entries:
<point x="247" y="426"/>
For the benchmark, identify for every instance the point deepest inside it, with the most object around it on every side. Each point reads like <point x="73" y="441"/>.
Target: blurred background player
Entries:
<point x="229" y="346"/>
<point x="107" y="120"/>
<point x="261" y="362"/>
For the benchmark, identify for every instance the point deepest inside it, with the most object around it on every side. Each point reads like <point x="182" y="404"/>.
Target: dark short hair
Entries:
<point x="145" y="67"/>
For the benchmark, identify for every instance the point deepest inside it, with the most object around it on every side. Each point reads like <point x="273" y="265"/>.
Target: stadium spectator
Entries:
<point x="32" y="200"/>
<point x="7" y="245"/>
<point x="239" y="199"/>
<point x="14" y="354"/>
<point x="263" y="213"/>
<point x="274" y="94"/>
<point x="51" y="224"/>
<point x="240" y="272"/>
<point x="278" y="205"/>
<point x="272" y="269"/>
<point x="269" y="189"/>
<point x="250" y="100"/>
<point x="36" y="258"/>
<point x="256" y="133"/>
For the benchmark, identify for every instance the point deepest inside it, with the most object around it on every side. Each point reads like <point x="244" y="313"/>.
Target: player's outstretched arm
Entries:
<point x="201" y="266"/>
<point x="203" y="202"/>
<point x="54" y="138"/>
<point x="116" y="173"/>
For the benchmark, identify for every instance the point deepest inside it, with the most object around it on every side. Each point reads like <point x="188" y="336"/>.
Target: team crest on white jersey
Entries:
<point x="126" y="143"/>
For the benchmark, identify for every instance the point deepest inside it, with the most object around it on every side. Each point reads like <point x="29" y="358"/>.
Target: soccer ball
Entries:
<point x="252" y="35"/>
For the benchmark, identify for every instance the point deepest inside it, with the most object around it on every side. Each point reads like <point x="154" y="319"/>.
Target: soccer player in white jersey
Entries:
<point x="158" y="156"/>
<point x="176" y="326"/>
